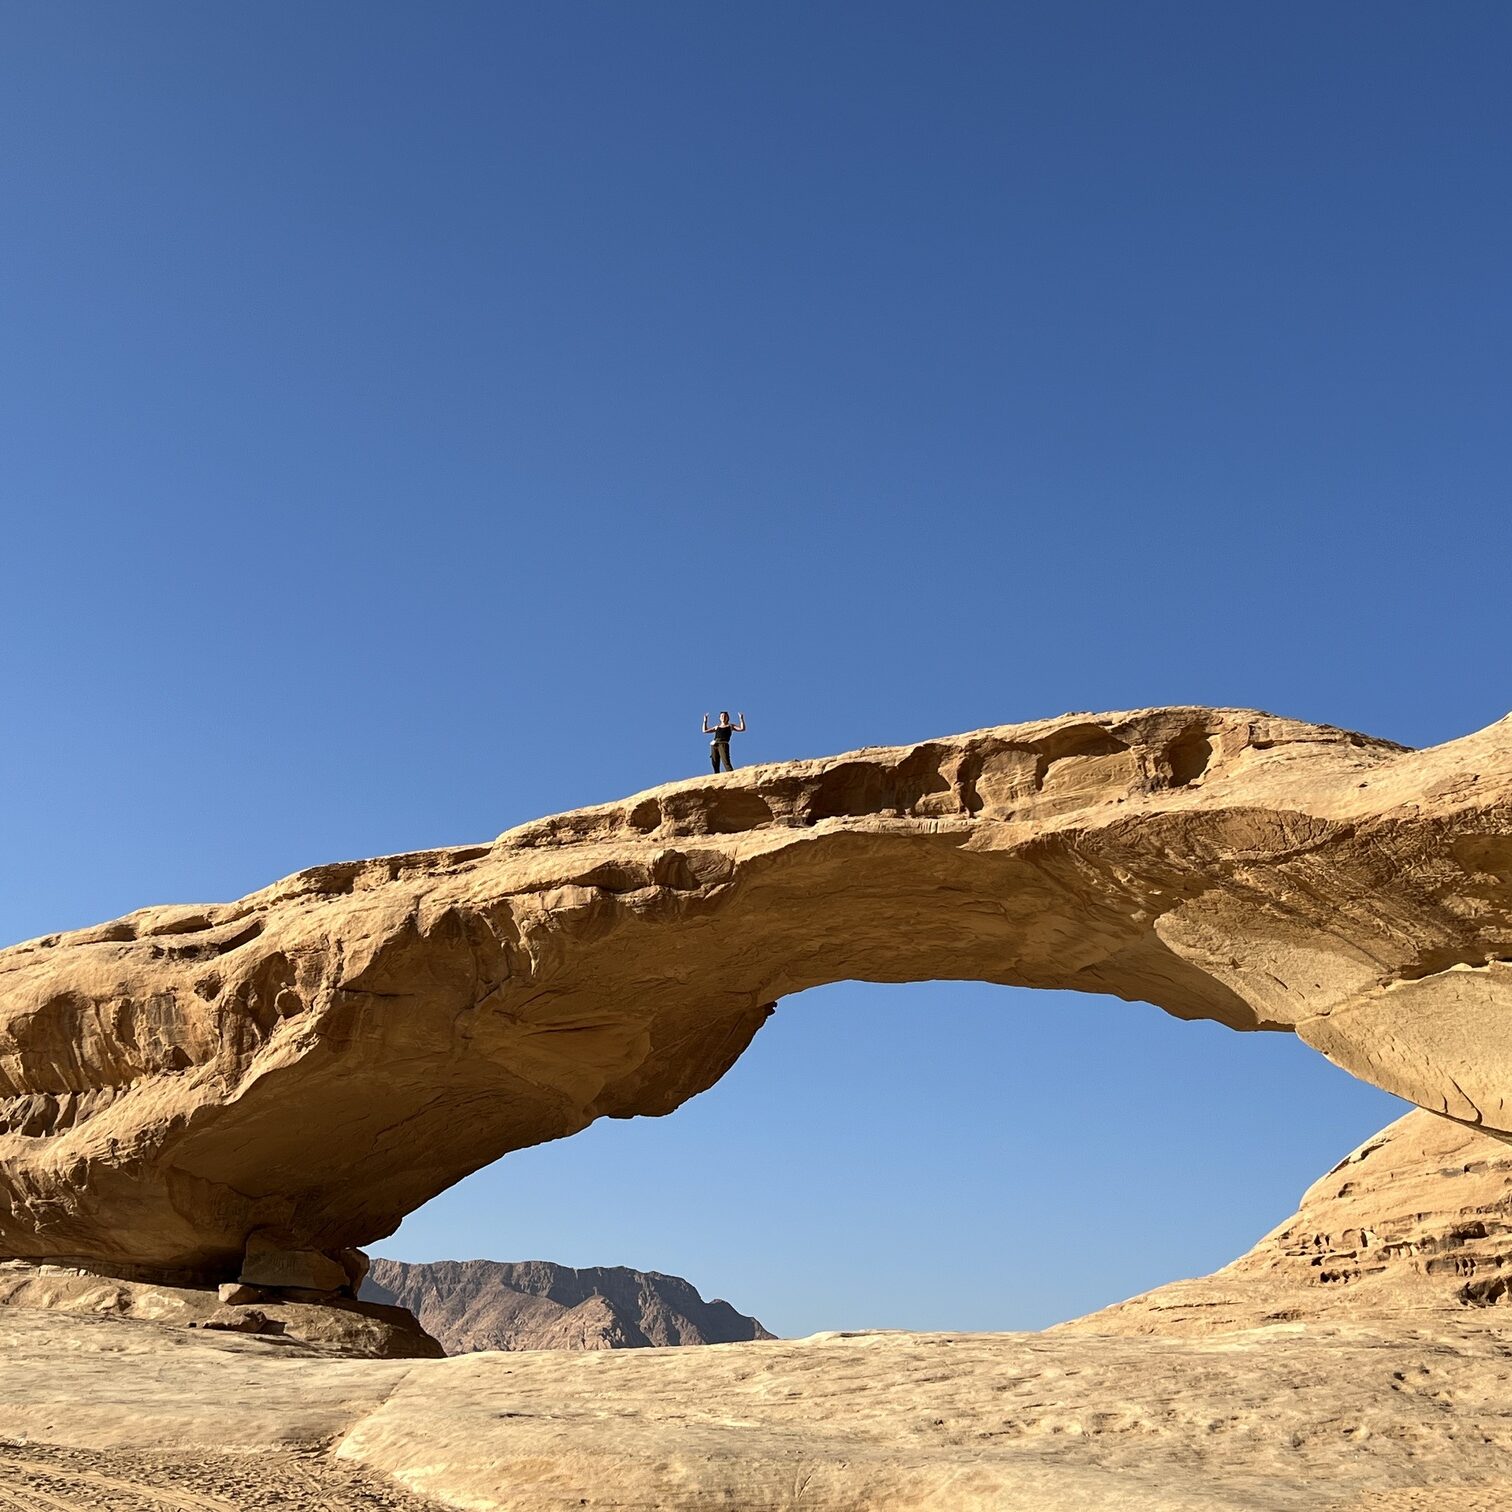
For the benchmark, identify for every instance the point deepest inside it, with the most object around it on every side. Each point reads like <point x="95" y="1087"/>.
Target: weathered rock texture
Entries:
<point x="1414" y="1225"/>
<point x="368" y="1329"/>
<point x="297" y="1070"/>
<point x="1277" y="1399"/>
<point x="532" y="1304"/>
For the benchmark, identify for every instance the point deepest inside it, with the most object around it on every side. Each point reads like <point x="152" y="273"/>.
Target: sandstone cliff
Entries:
<point x="1416" y="1224"/>
<point x="491" y="1304"/>
<point x="252" y="1088"/>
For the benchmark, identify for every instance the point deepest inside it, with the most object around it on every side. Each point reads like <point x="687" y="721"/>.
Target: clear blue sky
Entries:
<point x="415" y="416"/>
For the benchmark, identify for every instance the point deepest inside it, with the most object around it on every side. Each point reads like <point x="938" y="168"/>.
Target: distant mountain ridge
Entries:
<point x="534" y="1304"/>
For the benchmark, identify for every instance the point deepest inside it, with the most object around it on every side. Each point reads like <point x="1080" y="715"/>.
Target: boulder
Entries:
<point x="268" y="1264"/>
<point x="239" y="1320"/>
<point x="322" y="1322"/>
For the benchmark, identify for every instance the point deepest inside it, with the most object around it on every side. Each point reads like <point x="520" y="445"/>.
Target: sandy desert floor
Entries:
<point x="39" y="1476"/>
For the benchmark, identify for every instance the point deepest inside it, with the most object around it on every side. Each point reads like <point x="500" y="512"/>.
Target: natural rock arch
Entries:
<point x="299" y="1069"/>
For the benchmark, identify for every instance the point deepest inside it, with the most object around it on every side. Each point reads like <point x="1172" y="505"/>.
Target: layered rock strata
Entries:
<point x="1414" y="1225"/>
<point x="291" y="1073"/>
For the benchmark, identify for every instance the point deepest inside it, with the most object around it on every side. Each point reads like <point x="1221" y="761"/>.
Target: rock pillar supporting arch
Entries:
<point x="301" y="1068"/>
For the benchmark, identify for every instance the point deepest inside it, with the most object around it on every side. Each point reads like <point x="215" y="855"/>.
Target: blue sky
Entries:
<point x="412" y="418"/>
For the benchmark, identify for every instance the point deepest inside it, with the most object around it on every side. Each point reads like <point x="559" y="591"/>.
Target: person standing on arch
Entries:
<point x="719" y="749"/>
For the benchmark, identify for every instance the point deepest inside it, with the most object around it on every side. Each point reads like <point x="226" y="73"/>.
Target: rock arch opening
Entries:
<point x="297" y="1070"/>
<point x="931" y="1156"/>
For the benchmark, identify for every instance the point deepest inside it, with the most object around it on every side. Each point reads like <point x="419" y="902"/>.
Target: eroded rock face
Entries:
<point x="312" y="1062"/>
<point x="1414" y="1226"/>
<point x="340" y="1326"/>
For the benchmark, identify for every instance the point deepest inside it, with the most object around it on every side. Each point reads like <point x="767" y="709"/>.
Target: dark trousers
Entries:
<point x="719" y="751"/>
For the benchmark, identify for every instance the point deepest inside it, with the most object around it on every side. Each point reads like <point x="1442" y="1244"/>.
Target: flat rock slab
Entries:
<point x="1258" y="1421"/>
<point x="958" y="1422"/>
<point x="116" y="1383"/>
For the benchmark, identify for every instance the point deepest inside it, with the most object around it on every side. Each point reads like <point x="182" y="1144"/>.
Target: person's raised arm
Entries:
<point x="740" y="728"/>
<point x="707" y="730"/>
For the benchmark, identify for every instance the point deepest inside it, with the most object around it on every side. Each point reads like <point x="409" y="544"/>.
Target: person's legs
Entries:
<point x="714" y="754"/>
<point x="724" y="751"/>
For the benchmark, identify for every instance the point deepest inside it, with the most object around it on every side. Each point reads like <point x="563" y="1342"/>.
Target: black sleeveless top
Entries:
<point x="722" y="733"/>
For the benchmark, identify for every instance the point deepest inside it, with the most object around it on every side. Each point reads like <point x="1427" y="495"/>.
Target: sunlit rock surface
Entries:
<point x="1415" y="1224"/>
<point x="1386" y="1389"/>
<point x="341" y="1326"/>
<point x="297" y="1070"/>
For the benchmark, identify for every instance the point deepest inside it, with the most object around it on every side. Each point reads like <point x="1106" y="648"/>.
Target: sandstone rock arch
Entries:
<point x="299" y="1069"/>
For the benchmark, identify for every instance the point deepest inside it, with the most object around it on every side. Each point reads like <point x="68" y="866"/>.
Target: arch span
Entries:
<point x="297" y="1070"/>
